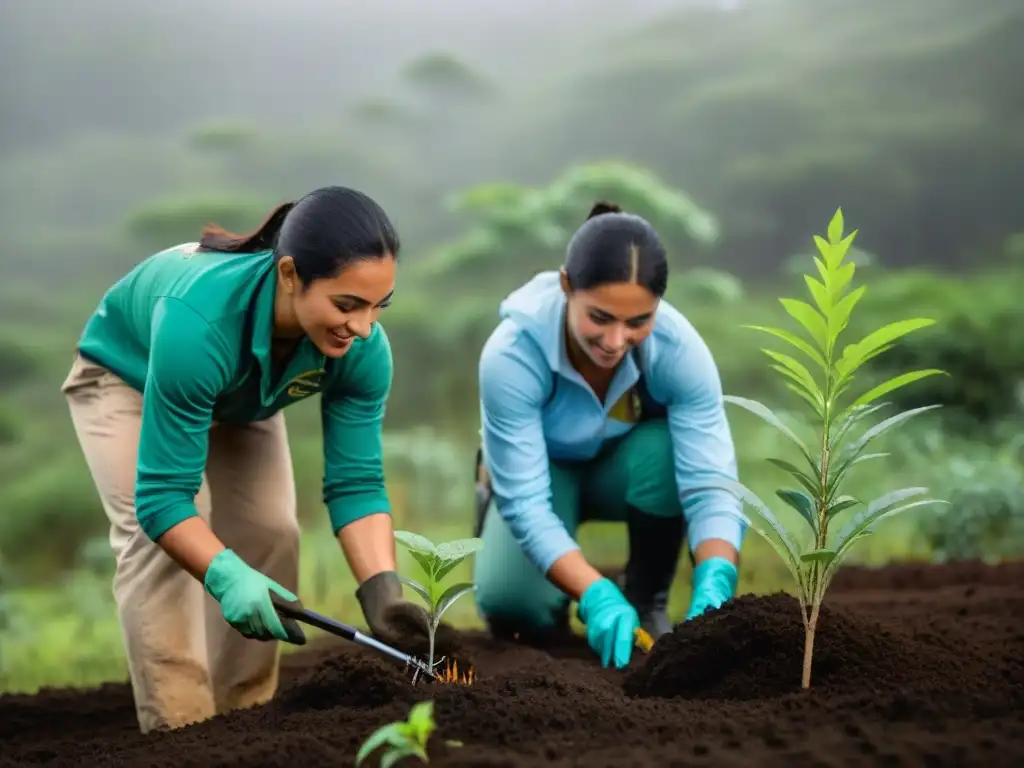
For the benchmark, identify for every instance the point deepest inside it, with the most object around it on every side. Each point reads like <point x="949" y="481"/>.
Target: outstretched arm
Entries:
<point x="352" y="415"/>
<point x="353" y="426"/>
<point x="186" y="372"/>
<point x="703" y="452"/>
<point x="511" y="394"/>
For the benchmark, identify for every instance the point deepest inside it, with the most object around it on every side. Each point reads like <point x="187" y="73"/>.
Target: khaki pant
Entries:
<point x="185" y="661"/>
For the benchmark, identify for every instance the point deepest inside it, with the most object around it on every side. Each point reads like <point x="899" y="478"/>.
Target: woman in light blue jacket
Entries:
<point x="600" y="401"/>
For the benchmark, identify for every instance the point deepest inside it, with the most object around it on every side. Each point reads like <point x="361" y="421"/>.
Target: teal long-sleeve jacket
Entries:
<point x="192" y="331"/>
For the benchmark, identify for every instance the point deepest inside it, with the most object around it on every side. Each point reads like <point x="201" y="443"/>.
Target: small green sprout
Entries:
<point x="437" y="561"/>
<point x="819" y="501"/>
<point x="402" y="739"/>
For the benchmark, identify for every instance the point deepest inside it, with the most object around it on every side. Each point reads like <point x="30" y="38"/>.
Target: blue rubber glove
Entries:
<point x="244" y="597"/>
<point x="611" y="622"/>
<point x="714" y="582"/>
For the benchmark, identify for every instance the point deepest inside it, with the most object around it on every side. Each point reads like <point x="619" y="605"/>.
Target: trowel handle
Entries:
<point x="290" y="612"/>
<point x="285" y="610"/>
<point x="295" y="611"/>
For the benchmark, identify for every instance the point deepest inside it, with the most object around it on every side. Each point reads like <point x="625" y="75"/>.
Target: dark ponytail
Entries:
<point x="616" y="247"/>
<point x="263" y="238"/>
<point x="603" y="207"/>
<point x="323" y="233"/>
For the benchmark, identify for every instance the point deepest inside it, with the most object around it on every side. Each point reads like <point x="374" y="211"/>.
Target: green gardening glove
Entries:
<point x="244" y="597"/>
<point x="611" y="622"/>
<point x="714" y="582"/>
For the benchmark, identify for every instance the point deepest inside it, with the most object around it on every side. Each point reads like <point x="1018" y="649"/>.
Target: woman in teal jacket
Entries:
<point x="600" y="401"/>
<point x="176" y="394"/>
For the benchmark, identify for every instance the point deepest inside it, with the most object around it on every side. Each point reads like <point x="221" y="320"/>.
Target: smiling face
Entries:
<point x="333" y="311"/>
<point x="606" y="321"/>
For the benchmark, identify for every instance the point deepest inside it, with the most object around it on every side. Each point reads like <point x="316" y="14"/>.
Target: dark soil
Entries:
<point x="914" y="665"/>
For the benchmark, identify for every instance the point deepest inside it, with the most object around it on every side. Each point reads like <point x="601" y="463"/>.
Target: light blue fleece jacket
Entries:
<point x="521" y="435"/>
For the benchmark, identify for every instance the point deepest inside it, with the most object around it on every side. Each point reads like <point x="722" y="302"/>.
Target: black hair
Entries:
<point x="616" y="247"/>
<point x="323" y="232"/>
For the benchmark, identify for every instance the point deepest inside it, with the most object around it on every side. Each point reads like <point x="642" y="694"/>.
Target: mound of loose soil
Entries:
<point x="930" y="673"/>
<point x="753" y="649"/>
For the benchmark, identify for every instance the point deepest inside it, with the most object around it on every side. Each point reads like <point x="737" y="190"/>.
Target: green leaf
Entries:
<point x="835" y="226"/>
<point x="427" y="562"/>
<point x="854" y="355"/>
<point x="867" y="456"/>
<point x="794" y="341"/>
<point x="800" y="392"/>
<point x="834" y="252"/>
<point x="833" y="566"/>
<point x="843" y="379"/>
<point x="386" y="734"/>
<point x="854" y="450"/>
<point x="414" y="542"/>
<point x="840" y="314"/>
<point x="796" y="384"/>
<point x="820" y="294"/>
<point x="452" y="553"/>
<point x="875" y="353"/>
<point x="421" y="721"/>
<point x="863" y="519"/>
<point x="848" y="418"/>
<point x="845" y="467"/>
<point x="394" y="755"/>
<point x="798" y="372"/>
<point x="460" y="549"/>
<point x="803" y="504"/>
<point x="447" y="600"/>
<point x="895" y="383"/>
<point x="784" y="546"/>
<point x="823" y="269"/>
<point x="841" y="278"/>
<point x="759" y="409"/>
<point x="809" y="318"/>
<point x="839" y="505"/>
<point x="813" y="488"/>
<point x="444" y="568"/>
<point x="821" y="556"/>
<point x="852" y="534"/>
<point x="419" y="589"/>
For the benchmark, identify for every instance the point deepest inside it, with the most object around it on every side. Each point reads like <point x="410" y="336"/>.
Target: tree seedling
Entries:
<point x="436" y="561"/>
<point x="834" y="454"/>
<point x="402" y="739"/>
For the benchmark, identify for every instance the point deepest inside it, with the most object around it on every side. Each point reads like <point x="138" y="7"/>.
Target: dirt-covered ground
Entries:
<point x="915" y="665"/>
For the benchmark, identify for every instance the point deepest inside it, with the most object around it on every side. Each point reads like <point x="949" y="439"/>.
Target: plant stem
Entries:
<point x="430" y="653"/>
<point x="812" y="623"/>
<point x="817" y="571"/>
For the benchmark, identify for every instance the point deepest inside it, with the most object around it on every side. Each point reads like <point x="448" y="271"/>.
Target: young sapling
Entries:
<point x="436" y="561"/>
<point x="402" y="739"/>
<point x="819" y="500"/>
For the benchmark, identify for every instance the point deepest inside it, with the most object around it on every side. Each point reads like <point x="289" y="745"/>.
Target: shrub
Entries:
<point x="985" y="516"/>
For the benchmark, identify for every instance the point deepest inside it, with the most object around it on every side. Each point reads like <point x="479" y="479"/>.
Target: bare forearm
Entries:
<point x="192" y="545"/>
<point x="716" y="548"/>
<point x="572" y="574"/>
<point x="369" y="545"/>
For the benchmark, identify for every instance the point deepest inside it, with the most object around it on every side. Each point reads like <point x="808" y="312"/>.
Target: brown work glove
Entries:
<point x="398" y="622"/>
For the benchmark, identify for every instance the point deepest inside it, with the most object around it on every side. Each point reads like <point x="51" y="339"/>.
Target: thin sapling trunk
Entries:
<point x="811" y="626"/>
